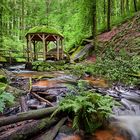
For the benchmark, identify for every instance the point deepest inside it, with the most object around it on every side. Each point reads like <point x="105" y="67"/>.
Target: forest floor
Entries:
<point x="125" y="35"/>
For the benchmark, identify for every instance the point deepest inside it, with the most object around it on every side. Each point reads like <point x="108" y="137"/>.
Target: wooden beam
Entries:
<point x="62" y="49"/>
<point x="47" y="37"/>
<point x="30" y="49"/>
<point x="32" y="36"/>
<point x="57" y="45"/>
<point x="44" y="47"/>
<point x="55" y="37"/>
<point x="35" y="55"/>
<point x="28" y="55"/>
<point x="41" y="37"/>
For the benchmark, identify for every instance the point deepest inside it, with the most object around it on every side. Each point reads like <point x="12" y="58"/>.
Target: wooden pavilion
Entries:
<point x="45" y="35"/>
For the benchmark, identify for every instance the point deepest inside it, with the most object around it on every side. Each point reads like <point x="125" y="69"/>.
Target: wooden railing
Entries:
<point x="9" y="55"/>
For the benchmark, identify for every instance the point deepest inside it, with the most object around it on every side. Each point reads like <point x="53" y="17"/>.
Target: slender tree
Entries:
<point x="135" y="5"/>
<point x="127" y="6"/>
<point x="104" y="16"/>
<point x="108" y="14"/>
<point x="122" y="7"/>
<point x="94" y="21"/>
<point x="22" y="17"/>
<point x="1" y="14"/>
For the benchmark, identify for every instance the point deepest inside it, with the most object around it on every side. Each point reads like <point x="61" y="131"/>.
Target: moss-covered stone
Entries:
<point x="3" y="79"/>
<point x="44" y="29"/>
<point x="80" y="53"/>
<point x="3" y="86"/>
<point x="49" y="66"/>
<point x="3" y="59"/>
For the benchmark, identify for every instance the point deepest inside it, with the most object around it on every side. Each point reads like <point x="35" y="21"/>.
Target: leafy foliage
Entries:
<point x="90" y="110"/>
<point x="73" y="17"/>
<point x="114" y="66"/>
<point x="49" y="66"/>
<point x="6" y="99"/>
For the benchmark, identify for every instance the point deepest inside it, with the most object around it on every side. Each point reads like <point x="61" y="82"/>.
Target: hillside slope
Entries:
<point x="118" y="56"/>
<point x="125" y="36"/>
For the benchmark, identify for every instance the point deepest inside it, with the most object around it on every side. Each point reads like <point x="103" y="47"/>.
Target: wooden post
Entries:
<point x="62" y="48"/>
<point x="57" y="45"/>
<point x="28" y="55"/>
<point x="36" y="51"/>
<point x="44" y="48"/>
<point x="35" y="56"/>
<point x="30" y="48"/>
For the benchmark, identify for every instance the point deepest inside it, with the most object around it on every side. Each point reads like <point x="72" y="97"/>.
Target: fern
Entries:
<point x="6" y="99"/>
<point x="89" y="110"/>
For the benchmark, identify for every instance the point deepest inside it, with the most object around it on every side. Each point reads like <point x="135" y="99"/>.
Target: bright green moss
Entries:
<point x="44" y="29"/>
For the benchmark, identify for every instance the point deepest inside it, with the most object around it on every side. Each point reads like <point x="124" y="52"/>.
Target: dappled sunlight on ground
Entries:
<point x="97" y="82"/>
<point x="46" y="83"/>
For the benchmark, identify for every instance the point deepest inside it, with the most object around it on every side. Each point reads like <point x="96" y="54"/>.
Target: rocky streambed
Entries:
<point x="45" y="89"/>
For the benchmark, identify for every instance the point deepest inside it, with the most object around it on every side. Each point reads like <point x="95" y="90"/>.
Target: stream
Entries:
<point x="125" y="121"/>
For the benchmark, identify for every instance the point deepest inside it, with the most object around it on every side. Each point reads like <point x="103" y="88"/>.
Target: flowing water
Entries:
<point x="129" y="123"/>
<point x="126" y="117"/>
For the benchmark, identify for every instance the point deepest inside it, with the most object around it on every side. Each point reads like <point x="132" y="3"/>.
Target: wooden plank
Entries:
<point x="62" y="48"/>
<point x="44" y="47"/>
<point x="57" y="45"/>
<point x="28" y="52"/>
<point x="30" y="48"/>
<point x="41" y="37"/>
<point x="35" y="53"/>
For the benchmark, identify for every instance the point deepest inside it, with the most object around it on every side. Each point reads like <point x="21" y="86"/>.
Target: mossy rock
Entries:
<point x="3" y="79"/>
<point x="48" y="65"/>
<point x="3" y="59"/>
<point x="80" y="53"/>
<point x="3" y="86"/>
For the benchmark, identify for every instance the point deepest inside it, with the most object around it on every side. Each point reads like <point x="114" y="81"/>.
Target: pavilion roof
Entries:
<point x="44" y="30"/>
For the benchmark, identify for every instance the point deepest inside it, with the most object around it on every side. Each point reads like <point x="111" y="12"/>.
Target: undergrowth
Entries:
<point x="88" y="110"/>
<point x="116" y="67"/>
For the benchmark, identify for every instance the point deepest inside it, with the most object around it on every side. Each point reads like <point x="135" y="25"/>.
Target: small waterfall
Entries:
<point x="129" y="124"/>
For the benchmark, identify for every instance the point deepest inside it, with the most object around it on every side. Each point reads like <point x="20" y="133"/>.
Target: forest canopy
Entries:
<point x="74" y="18"/>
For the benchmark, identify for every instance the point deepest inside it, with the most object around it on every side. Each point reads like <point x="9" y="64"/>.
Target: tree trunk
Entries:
<point x="122" y="7"/>
<point x="1" y="38"/>
<point x="36" y="114"/>
<point x="108" y="15"/>
<point x="94" y="29"/>
<point x="22" y="19"/>
<point x="31" y="129"/>
<point x="135" y="5"/>
<point x="104" y="11"/>
<point x="94" y="21"/>
<point x="127" y="6"/>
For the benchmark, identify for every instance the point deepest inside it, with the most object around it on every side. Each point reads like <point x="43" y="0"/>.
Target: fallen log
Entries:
<point x="35" y="114"/>
<point x="42" y="99"/>
<point x="23" y="104"/>
<point x="50" y="135"/>
<point x="44" y="89"/>
<point x="31" y="129"/>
